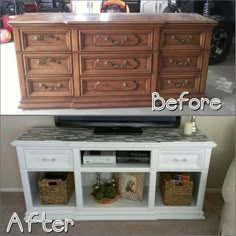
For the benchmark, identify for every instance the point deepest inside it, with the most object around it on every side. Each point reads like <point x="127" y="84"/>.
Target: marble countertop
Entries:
<point x="149" y="135"/>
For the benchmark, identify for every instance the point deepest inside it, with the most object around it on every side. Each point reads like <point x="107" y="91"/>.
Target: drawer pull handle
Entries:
<point x="43" y="36"/>
<point x="96" y="84"/>
<point x="99" y="40"/>
<point x="181" y="63"/>
<point x="114" y="42"/>
<point x="180" y="160"/>
<point x="115" y="66"/>
<point x="57" y="86"/>
<point x="182" y="41"/>
<point x="174" y="84"/>
<point x="107" y="86"/>
<point x="49" y="159"/>
<point x="44" y="61"/>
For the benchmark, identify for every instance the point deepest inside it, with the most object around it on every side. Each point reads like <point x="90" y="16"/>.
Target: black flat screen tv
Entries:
<point x="117" y="124"/>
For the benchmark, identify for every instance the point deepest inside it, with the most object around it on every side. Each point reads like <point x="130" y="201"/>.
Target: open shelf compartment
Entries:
<point x="89" y="201"/>
<point x="196" y="176"/>
<point x="34" y="177"/>
<point x="115" y="161"/>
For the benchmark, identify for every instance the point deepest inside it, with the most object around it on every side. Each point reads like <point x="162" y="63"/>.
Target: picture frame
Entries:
<point x="131" y="185"/>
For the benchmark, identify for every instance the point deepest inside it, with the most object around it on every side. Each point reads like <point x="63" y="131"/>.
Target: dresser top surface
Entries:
<point x="149" y="135"/>
<point x="124" y="18"/>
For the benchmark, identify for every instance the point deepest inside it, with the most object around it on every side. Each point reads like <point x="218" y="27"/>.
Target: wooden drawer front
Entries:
<point x="115" y="86"/>
<point x="50" y="87"/>
<point x="107" y="64"/>
<point x="49" y="159"/>
<point x="178" y="84"/>
<point x="180" y="160"/>
<point x="50" y="64"/>
<point x="170" y="62"/>
<point x="50" y="40"/>
<point x="182" y="39"/>
<point x="115" y="40"/>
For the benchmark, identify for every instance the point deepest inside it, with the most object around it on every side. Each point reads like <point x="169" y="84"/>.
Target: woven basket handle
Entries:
<point x="54" y="181"/>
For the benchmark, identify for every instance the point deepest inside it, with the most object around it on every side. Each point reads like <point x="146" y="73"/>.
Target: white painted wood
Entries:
<point x="110" y="145"/>
<point x="27" y="189"/>
<point x="154" y="159"/>
<point x="76" y="158"/>
<point x="82" y="205"/>
<point x="180" y="159"/>
<point x="152" y="190"/>
<point x="207" y="159"/>
<point x="21" y="158"/>
<point x="78" y="189"/>
<point x="202" y="189"/>
<point x="115" y="167"/>
<point x="48" y="159"/>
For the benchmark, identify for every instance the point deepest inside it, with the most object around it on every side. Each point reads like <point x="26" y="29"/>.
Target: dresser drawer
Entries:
<point x="49" y="159"/>
<point x="178" y="84"/>
<point x="179" y="159"/>
<point x="48" y="64"/>
<point x="110" y="86"/>
<point x="107" y="64"/>
<point x="180" y="62"/>
<point x="50" y="87"/>
<point x="46" y="40"/>
<point x="91" y="40"/>
<point x="180" y="39"/>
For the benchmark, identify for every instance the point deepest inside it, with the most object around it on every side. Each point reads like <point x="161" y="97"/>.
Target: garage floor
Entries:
<point x="10" y="92"/>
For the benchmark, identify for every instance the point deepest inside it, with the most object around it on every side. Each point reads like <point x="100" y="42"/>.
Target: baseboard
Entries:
<point x="11" y="189"/>
<point x="213" y="190"/>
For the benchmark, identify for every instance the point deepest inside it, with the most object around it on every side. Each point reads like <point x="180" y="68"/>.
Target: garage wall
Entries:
<point x="220" y="129"/>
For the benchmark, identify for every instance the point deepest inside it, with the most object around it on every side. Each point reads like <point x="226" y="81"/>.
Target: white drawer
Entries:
<point x="48" y="159"/>
<point x="177" y="159"/>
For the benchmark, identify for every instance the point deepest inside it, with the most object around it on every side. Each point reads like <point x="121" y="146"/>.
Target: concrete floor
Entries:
<point x="14" y="202"/>
<point x="10" y="92"/>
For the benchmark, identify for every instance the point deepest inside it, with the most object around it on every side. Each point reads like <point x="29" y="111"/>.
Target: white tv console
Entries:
<point x="48" y="149"/>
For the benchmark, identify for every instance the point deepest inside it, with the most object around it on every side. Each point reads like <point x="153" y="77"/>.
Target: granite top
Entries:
<point x="149" y="135"/>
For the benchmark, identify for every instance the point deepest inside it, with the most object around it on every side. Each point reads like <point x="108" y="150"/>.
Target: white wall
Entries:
<point x="11" y="128"/>
<point x="220" y="129"/>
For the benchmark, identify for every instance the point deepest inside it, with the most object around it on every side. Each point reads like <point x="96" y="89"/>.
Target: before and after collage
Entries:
<point x="117" y="117"/>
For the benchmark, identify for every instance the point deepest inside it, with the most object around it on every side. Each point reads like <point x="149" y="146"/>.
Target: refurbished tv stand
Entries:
<point x="53" y="149"/>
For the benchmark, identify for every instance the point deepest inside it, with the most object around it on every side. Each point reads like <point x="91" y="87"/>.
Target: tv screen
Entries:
<point x="117" y="124"/>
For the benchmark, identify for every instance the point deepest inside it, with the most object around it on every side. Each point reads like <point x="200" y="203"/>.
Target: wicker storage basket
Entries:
<point x="175" y="194"/>
<point x="56" y="188"/>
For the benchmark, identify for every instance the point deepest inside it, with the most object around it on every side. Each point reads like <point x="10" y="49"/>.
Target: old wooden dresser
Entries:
<point x="110" y="60"/>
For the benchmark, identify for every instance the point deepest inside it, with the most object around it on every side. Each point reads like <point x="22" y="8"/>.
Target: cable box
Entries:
<point x="142" y="157"/>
